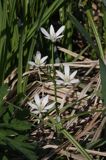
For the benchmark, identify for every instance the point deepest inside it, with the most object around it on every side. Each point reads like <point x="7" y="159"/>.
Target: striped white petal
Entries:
<point x="45" y="101"/>
<point x="49" y="38"/>
<point x="67" y="70"/>
<point x="37" y="100"/>
<point x="31" y="63"/>
<point x="60" y="36"/>
<point x="59" y="82"/>
<point x="73" y="75"/>
<point x="45" y="33"/>
<point x="74" y="81"/>
<point x="52" y="31"/>
<point x="50" y="106"/>
<point x="33" y="106"/>
<point x="60" y="74"/>
<point x="43" y="59"/>
<point x="38" y="55"/>
<point x="61" y="29"/>
<point x="35" y="112"/>
<point x="66" y="83"/>
<point x="44" y="110"/>
<point x="41" y="64"/>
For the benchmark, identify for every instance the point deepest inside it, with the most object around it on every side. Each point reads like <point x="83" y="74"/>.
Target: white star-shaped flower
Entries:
<point x="53" y="36"/>
<point x="66" y="78"/>
<point x="41" y="105"/>
<point x="38" y="61"/>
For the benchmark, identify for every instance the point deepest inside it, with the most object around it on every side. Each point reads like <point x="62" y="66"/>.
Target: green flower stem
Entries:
<point x="54" y="82"/>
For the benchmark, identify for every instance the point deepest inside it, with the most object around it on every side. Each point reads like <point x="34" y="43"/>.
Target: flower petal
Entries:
<point x="61" y="29"/>
<point x="35" y="112"/>
<point x="60" y="74"/>
<point x="45" y="32"/>
<point x="45" y="101"/>
<point x="74" y="81"/>
<point x="33" y="106"/>
<point x="58" y="37"/>
<point x="37" y="100"/>
<point x="44" y="110"/>
<point x="48" y="38"/>
<point x="52" y="31"/>
<point x="67" y="70"/>
<point x="73" y="74"/>
<point x="67" y="83"/>
<point x="31" y="63"/>
<point x="50" y="106"/>
<point x="38" y="55"/>
<point x="59" y="82"/>
<point x="43" y="59"/>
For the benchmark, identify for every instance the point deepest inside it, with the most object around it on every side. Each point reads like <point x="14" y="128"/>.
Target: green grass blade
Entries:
<point x="25" y="148"/>
<point x="95" y="34"/>
<point x="103" y="80"/>
<point x="104" y="28"/>
<point x="81" y="29"/>
<point x="12" y="5"/>
<point x="74" y="142"/>
<point x="20" y="64"/>
<point x="3" y="48"/>
<point x="27" y="65"/>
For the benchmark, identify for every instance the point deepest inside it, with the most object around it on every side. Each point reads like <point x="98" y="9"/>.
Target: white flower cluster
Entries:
<point x="53" y="36"/>
<point x="38" y="61"/>
<point x="41" y="104"/>
<point x="66" y="78"/>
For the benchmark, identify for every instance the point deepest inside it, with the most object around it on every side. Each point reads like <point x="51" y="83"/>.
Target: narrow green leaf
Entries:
<point x="20" y="64"/>
<point x="20" y="125"/>
<point x="103" y="79"/>
<point x="27" y="65"/>
<point x="3" y="48"/>
<point x="81" y="29"/>
<point x="96" y="144"/>
<point x="4" y="158"/>
<point x="74" y="142"/>
<point x="93" y="26"/>
<point x="27" y="149"/>
<point x="3" y="92"/>
<point x="6" y="132"/>
<point x="6" y="117"/>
